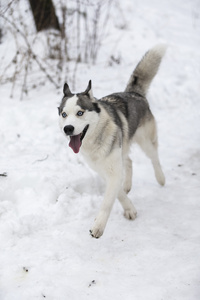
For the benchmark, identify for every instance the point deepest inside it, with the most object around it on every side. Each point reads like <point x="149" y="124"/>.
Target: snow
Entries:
<point x="50" y="197"/>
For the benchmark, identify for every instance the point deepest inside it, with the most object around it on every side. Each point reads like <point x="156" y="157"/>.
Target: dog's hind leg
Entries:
<point x="129" y="209"/>
<point x="128" y="175"/>
<point x="146" y="137"/>
<point x="153" y="155"/>
<point x="156" y="165"/>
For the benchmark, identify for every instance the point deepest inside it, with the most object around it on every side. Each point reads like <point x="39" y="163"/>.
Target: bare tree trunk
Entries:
<point x="44" y="14"/>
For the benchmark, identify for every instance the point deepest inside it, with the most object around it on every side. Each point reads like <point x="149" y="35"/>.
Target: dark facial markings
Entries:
<point x="62" y="104"/>
<point x="86" y="104"/>
<point x="85" y="100"/>
<point x="96" y="107"/>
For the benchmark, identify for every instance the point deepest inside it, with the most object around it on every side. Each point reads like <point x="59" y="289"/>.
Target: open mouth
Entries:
<point x="76" y="140"/>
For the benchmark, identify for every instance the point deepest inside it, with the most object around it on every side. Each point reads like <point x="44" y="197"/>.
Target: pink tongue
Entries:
<point x="75" y="142"/>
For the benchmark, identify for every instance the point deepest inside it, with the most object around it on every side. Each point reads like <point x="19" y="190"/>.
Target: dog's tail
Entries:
<point x="145" y="71"/>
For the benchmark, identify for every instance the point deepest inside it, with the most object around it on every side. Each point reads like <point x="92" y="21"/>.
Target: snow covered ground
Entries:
<point x="50" y="197"/>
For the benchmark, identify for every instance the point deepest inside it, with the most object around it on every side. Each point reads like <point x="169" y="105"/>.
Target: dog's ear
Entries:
<point x="66" y="90"/>
<point x="88" y="91"/>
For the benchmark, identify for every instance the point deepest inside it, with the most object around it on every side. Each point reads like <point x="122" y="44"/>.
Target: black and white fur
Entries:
<point x="104" y="130"/>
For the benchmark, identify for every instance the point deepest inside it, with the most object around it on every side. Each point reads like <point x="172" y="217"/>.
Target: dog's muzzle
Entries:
<point x="75" y="140"/>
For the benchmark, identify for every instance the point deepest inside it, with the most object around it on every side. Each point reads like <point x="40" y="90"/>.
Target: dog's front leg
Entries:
<point x="112" y="172"/>
<point x="107" y="204"/>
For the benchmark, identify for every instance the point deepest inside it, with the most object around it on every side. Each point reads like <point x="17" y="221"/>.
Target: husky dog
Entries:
<point x="103" y="130"/>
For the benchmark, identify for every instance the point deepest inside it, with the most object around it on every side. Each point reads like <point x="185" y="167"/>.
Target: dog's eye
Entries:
<point x="64" y="115"/>
<point x="80" y="113"/>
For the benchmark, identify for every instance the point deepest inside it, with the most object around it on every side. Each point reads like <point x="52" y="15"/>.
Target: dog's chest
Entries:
<point x="92" y="161"/>
<point x="94" y="156"/>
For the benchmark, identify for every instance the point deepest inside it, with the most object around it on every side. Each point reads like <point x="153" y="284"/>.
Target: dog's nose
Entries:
<point x="68" y="129"/>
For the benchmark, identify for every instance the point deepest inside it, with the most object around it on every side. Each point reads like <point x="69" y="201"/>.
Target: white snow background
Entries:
<point x="50" y="197"/>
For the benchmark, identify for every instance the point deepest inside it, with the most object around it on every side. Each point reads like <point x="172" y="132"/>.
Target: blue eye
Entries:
<point x="80" y="113"/>
<point x="64" y="115"/>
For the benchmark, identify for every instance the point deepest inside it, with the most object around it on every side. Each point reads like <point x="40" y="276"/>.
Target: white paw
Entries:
<point x="130" y="213"/>
<point x="99" y="226"/>
<point x="96" y="232"/>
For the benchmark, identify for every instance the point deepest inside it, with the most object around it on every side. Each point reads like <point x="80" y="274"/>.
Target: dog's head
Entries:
<point x="76" y="113"/>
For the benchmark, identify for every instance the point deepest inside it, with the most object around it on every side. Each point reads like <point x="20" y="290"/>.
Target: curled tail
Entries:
<point x="145" y="71"/>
